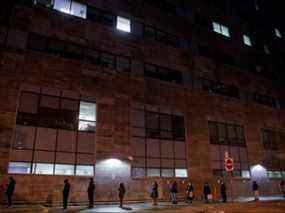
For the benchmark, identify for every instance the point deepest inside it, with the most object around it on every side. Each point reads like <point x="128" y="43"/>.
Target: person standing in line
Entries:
<point x="65" y="193"/>
<point x="189" y="192"/>
<point x="122" y="192"/>
<point x="10" y="191"/>
<point x="223" y="192"/>
<point x="207" y="192"/>
<point x="255" y="190"/>
<point x="154" y="193"/>
<point x="282" y="187"/>
<point x="173" y="191"/>
<point x="91" y="191"/>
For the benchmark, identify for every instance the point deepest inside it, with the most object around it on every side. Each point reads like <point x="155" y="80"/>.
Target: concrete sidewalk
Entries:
<point x="197" y="206"/>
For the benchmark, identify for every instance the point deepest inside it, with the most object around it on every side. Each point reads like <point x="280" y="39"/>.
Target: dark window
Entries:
<point x="73" y="51"/>
<point x="178" y="128"/>
<point x="226" y="134"/>
<point x="220" y="88"/>
<point x="37" y="42"/>
<point x="165" y="126"/>
<point x="56" y="47"/>
<point x="161" y="36"/>
<point x="92" y="56"/>
<point x="173" y="41"/>
<point x="213" y="133"/>
<point x="265" y="100"/>
<point x="270" y="139"/>
<point x="108" y="60"/>
<point x="123" y="64"/>
<point x="163" y="74"/>
<point x="151" y="71"/>
<point x="149" y="32"/>
<point x="97" y="15"/>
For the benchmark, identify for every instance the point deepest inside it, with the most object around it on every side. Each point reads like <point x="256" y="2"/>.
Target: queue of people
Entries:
<point x="173" y="190"/>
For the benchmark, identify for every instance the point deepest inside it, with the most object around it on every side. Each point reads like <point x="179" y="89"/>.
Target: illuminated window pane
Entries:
<point x="42" y="168"/>
<point x="221" y="29"/>
<point x="246" y="40"/>
<point x="153" y="172"/>
<point x="19" y="168"/>
<point x="138" y="172"/>
<point x="216" y="27"/>
<point x="277" y="174"/>
<point x="123" y="24"/>
<point x="245" y="174"/>
<point x="82" y="170"/>
<point x="86" y="126"/>
<point x="61" y="169"/>
<point x="87" y="111"/>
<point x="277" y="33"/>
<point x="62" y="6"/>
<point x="180" y="172"/>
<point x="167" y="172"/>
<point x="78" y="9"/>
<point x="225" y="31"/>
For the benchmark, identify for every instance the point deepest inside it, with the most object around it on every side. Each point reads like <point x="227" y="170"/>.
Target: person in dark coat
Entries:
<point x="65" y="193"/>
<point x="154" y="193"/>
<point x="173" y="191"/>
<point x="91" y="190"/>
<point x="122" y="192"/>
<point x="10" y="190"/>
<point x="255" y="190"/>
<point x="189" y="192"/>
<point x="282" y="187"/>
<point x="207" y="192"/>
<point x="223" y="192"/>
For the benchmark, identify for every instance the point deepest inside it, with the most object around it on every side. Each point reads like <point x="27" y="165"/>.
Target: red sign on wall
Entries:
<point x="229" y="164"/>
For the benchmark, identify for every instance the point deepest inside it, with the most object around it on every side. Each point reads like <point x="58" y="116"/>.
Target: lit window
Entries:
<point x="19" y="168"/>
<point x="71" y="7"/>
<point x="277" y="33"/>
<point x="86" y="126"/>
<point x="245" y="174"/>
<point x="153" y="172"/>
<point x="123" y="24"/>
<point x="82" y="170"/>
<point x="221" y="29"/>
<point x="62" y="169"/>
<point x="62" y="5"/>
<point x="87" y="111"/>
<point x="225" y="31"/>
<point x="246" y="40"/>
<point x="43" y="168"/>
<point x="216" y="27"/>
<point x="167" y="173"/>
<point x="274" y="174"/>
<point x="87" y="116"/>
<point x="180" y="172"/>
<point x="78" y="9"/>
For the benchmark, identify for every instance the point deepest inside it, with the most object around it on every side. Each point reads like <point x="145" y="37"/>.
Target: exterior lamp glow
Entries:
<point x="258" y="172"/>
<point x="113" y="162"/>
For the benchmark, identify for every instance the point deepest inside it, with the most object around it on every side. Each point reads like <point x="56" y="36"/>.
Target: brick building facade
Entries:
<point x="132" y="91"/>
